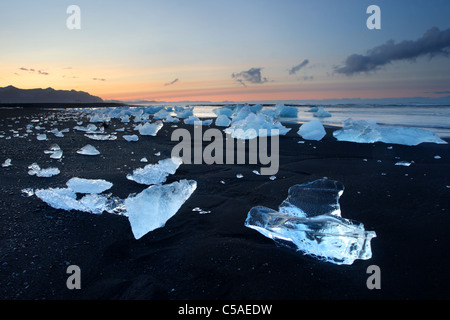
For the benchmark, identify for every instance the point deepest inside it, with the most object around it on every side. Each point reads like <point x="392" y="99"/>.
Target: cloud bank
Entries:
<point x="433" y="43"/>
<point x="252" y="75"/>
<point x="296" y="68"/>
<point x="171" y="82"/>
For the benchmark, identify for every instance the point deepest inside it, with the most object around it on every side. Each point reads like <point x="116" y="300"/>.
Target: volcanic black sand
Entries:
<point x="214" y="256"/>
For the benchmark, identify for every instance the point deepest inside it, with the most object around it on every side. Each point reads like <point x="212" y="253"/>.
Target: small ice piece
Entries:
<point x="94" y="203"/>
<point x="222" y="182"/>
<point x="89" y="128"/>
<point x="170" y="119"/>
<point x="239" y="176"/>
<point x="41" y="137"/>
<point x="312" y="130"/>
<point x="313" y="109"/>
<point x="158" y="154"/>
<point x="149" y="129"/>
<point x="403" y="163"/>
<point x="7" y="163"/>
<point x="193" y="120"/>
<point x="88" y="150"/>
<point x="42" y="173"/>
<point x="56" y="154"/>
<point x="155" y="173"/>
<point x="437" y="157"/>
<point x="101" y="137"/>
<point x="256" y="172"/>
<point x="130" y="138"/>
<point x="321" y="113"/>
<point x="154" y="206"/>
<point x="272" y="178"/>
<point x="28" y="192"/>
<point x="310" y="221"/>
<point x="223" y="121"/>
<point x="80" y="185"/>
<point x="144" y="159"/>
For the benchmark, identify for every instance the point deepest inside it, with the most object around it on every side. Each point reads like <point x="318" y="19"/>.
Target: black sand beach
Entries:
<point x="214" y="256"/>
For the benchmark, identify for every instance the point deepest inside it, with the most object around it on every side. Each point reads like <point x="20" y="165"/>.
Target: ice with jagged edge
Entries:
<point x="310" y="221"/>
<point x="149" y="129"/>
<point x="321" y="113"/>
<point x="92" y="201"/>
<point x="156" y="173"/>
<point x="101" y="137"/>
<point x="154" y="206"/>
<point x="255" y="125"/>
<point x="36" y="170"/>
<point x="368" y="131"/>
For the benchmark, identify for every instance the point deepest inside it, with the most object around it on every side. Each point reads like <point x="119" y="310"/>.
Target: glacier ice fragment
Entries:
<point x="80" y="185"/>
<point x="310" y="221"/>
<point x="312" y="130"/>
<point x="156" y="173"/>
<point x="88" y="150"/>
<point x="151" y="208"/>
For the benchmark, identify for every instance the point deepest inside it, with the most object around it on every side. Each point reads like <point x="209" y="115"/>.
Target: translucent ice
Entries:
<point x="41" y="137"/>
<point x="362" y="131"/>
<point x="254" y="125"/>
<point x="131" y="137"/>
<point x="101" y="137"/>
<point x="155" y="173"/>
<point x="7" y="163"/>
<point x="88" y="150"/>
<point x="151" y="208"/>
<point x="223" y="121"/>
<point x="312" y="130"/>
<point x="310" y="220"/>
<point x="286" y="111"/>
<point x="80" y="185"/>
<point x="322" y="113"/>
<point x="149" y="129"/>
<point x="35" y="169"/>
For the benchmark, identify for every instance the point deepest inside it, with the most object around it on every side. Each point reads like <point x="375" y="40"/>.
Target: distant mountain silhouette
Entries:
<point x="11" y="94"/>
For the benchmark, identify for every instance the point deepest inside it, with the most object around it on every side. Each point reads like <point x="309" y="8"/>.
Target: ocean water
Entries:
<point x="435" y="118"/>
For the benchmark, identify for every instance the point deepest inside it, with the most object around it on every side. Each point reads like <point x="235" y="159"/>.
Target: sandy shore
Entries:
<point x="214" y="256"/>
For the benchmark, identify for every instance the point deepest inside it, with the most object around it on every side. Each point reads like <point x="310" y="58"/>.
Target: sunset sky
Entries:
<point x="218" y="50"/>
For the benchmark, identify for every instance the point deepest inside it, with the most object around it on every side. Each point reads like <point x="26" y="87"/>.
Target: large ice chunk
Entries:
<point x="286" y="111"/>
<point x="151" y="208"/>
<point x="312" y="130"/>
<point x="310" y="221"/>
<point x="80" y="185"/>
<point x="223" y="121"/>
<point x="156" y="173"/>
<point x="256" y="125"/>
<point x="368" y="131"/>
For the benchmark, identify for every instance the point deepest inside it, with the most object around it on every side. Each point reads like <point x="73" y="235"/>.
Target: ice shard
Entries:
<point x="151" y="208"/>
<point x="156" y="173"/>
<point x="310" y="221"/>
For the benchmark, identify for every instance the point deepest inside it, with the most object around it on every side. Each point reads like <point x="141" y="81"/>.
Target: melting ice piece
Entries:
<point x="254" y="125"/>
<point x="88" y="150"/>
<point x="156" y="173"/>
<point x="101" y="137"/>
<point x="312" y="130"/>
<point x="223" y="121"/>
<point x="151" y="208"/>
<point x="149" y="129"/>
<point x="403" y="163"/>
<point x="80" y="185"/>
<point x="42" y="173"/>
<point x="41" y="137"/>
<point x="321" y="113"/>
<point x="310" y="220"/>
<point x="362" y="131"/>
<point x="66" y="199"/>
<point x="7" y="163"/>
<point x="131" y="137"/>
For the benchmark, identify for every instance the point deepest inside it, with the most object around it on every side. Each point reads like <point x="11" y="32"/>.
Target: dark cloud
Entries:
<point x="171" y="82"/>
<point x="253" y="76"/>
<point x="438" y="92"/>
<point x="294" y="69"/>
<point x="99" y="79"/>
<point x="433" y="43"/>
<point x="33" y="70"/>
